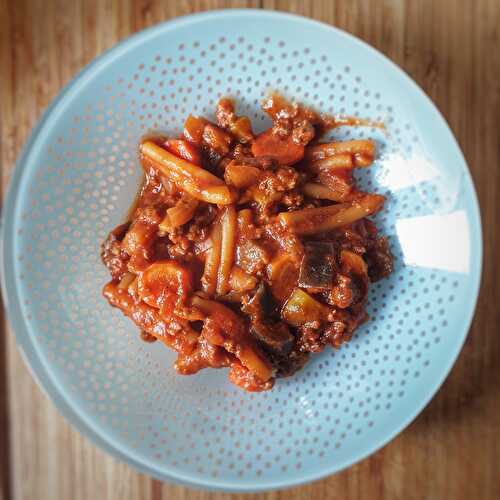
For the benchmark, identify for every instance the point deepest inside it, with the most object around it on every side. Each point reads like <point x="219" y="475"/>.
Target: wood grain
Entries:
<point x="451" y="48"/>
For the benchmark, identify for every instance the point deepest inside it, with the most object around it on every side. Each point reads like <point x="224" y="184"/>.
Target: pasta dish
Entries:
<point x="249" y="251"/>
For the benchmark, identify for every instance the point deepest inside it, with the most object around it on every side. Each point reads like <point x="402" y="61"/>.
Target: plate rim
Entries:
<point x="35" y="363"/>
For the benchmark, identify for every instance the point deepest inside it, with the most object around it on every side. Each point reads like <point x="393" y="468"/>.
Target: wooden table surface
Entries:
<point x="452" y="49"/>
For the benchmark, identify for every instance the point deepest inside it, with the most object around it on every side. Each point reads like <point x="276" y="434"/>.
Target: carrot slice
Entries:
<point x="193" y="129"/>
<point x="284" y="151"/>
<point x="164" y="278"/>
<point x="241" y="176"/>
<point x="184" y="149"/>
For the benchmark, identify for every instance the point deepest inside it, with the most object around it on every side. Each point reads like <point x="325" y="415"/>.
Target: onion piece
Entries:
<point x="283" y="274"/>
<point x="179" y="214"/>
<point x="240" y="281"/>
<point x="301" y="308"/>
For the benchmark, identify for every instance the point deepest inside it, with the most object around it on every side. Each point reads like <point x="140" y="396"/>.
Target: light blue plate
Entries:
<point x="77" y="177"/>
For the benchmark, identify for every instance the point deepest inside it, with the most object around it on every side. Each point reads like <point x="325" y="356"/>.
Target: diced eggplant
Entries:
<point x="274" y="338"/>
<point x="317" y="269"/>
<point x="262" y="305"/>
<point x="290" y="364"/>
<point x="380" y="260"/>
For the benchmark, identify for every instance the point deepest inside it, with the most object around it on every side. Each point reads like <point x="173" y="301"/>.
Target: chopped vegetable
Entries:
<point x="138" y="236"/>
<point x="247" y="380"/>
<point x="193" y="129"/>
<point x="240" y="281"/>
<point x="283" y="150"/>
<point x="287" y="240"/>
<point x="164" y="280"/>
<point x="283" y="274"/>
<point x="245" y="220"/>
<point x="261" y="305"/>
<point x="275" y="105"/>
<point x="241" y="176"/>
<point x="301" y="308"/>
<point x="242" y="129"/>
<point x="126" y="280"/>
<point x="184" y="149"/>
<point x="317" y="269"/>
<point x="275" y="338"/>
<point x="353" y="263"/>
<point x="355" y="281"/>
<point x="379" y="259"/>
<point x="216" y="139"/>
<point x="252" y="256"/>
<point x="179" y="214"/>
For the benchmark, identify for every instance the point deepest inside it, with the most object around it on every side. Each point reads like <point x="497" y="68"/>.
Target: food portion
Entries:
<point x="248" y="251"/>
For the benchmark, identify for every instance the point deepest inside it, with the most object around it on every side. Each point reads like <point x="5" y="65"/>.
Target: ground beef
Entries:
<point x="283" y="179"/>
<point x="302" y="132"/>
<point x="379" y="259"/>
<point x="294" y="199"/>
<point x="179" y="245"/>
<point x="342" y="294"/>
<point x="205" y="355"/>
<point x="112" y="255"/>
<point x="286" y="240"/>
<point x="310" y="337"/>
<point x="252" y="257"/>
<point x="287" y="366"/>
<point x="224" y="113"/>
<point x="244" y="378"/>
